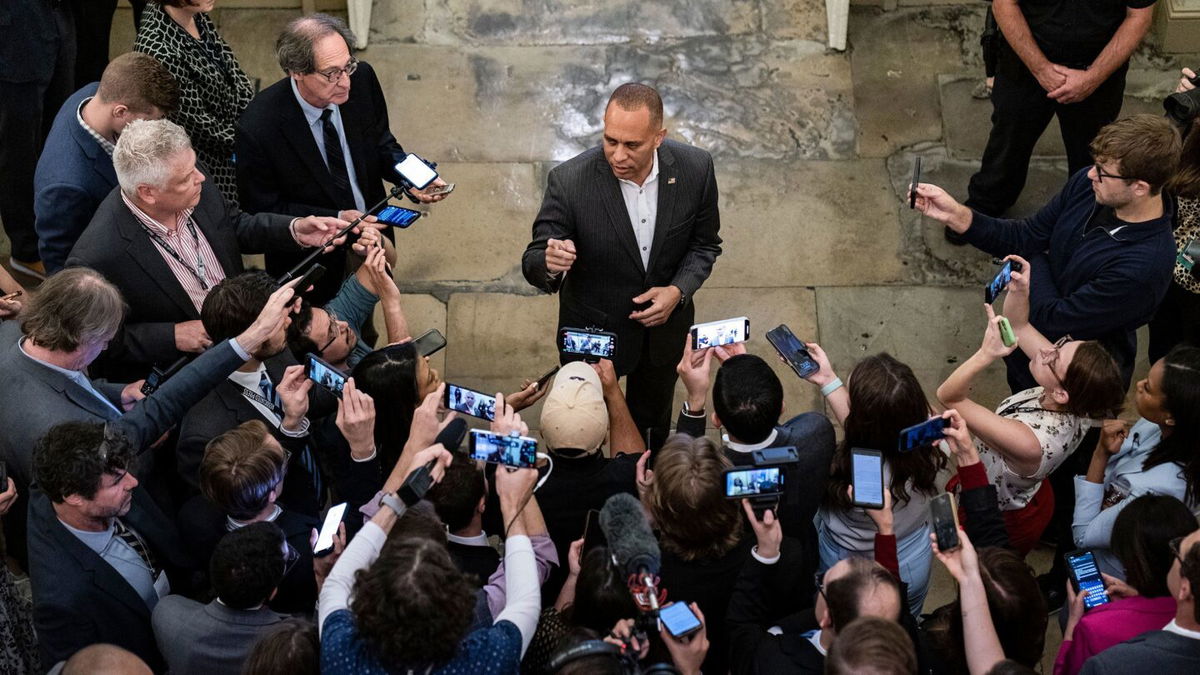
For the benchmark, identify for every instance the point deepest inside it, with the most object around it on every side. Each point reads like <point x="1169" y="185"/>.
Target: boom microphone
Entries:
<point x="452" y="436"/>
<point x="634" y="549"/>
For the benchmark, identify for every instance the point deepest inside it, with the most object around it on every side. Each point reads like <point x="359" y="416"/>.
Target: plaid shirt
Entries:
<point x="189" y="250"/>
<point x="105" y="144"/>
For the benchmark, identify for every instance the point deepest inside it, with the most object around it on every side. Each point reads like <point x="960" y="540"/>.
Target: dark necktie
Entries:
<point x="334" y="157"/>
<point x="306" y="456"/>
<point x="134" y="540"/>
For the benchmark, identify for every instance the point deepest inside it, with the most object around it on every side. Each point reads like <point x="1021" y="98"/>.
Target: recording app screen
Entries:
<point x="678" y="618"/>
<point x="394" y="215"/>
<point x="589" y="343"/>
<point x="326" y="376"/>
<point x="1087" y="575"/>
<point x="868" y="479"/>
<point x="753" y="482"/>
<point x="723" y="333"/>
<point x="471" y="402"/>
<point x="508" y="450"/>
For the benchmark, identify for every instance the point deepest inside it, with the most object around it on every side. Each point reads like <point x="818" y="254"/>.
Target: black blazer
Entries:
<point x="30" y="37"/>
<point x="115" y="245"/>
<point x="79" y="599"/>
<point x="583" y="203"/>
<point x="279" y="168"/>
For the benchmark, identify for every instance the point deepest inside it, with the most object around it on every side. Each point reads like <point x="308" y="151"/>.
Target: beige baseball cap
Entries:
<point x="574" y="415"/>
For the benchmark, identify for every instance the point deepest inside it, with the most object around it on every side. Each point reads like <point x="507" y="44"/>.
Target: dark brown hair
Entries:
<point x="1186" y="181"/>
<point x="1141" y="538"/>
<point x="239" y="470"/>
<point x="140" y="82"/>
<point x="1093" y="383"/>
<point x="844" y="596"/>
<point x="687" y="501"/>
<point x="1147" y="147"/>
<point x="885" y="397"/>
<point x="872" y="645"/>
<point x="290" y="649"/>
<point x="633" y="96"/>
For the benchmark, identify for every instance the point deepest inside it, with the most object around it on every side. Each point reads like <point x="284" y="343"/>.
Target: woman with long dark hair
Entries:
<point x="398" y="379"/>
<point x="1159" y="455"/>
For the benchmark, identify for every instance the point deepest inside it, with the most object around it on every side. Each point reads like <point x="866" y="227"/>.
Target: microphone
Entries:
<point x="452" y="436"/>
<point x="633" y="548"/>
<point x="418" y="482"/>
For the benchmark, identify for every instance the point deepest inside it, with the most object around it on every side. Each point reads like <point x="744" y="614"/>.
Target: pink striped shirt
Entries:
<point x="189" y="249"/>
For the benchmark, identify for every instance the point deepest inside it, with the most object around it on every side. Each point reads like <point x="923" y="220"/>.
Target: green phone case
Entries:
<point x="1006" y="333"/>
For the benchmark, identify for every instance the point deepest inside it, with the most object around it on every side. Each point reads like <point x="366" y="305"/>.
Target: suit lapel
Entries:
<point x="59" y="382"/>
<point x="667" y="188"/>
<point x="295" y="129"/>
<point x="231" y="262"/>
<point x="143" y="252"/>
<point x="101" y="162"/>
<point x="618" y="215"/>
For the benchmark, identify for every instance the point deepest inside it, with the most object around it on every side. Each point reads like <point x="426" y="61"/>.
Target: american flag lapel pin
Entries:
<point x="671" y="180"/>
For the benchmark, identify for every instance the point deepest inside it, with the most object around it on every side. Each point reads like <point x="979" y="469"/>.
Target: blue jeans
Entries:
<point x="913" y="552"/>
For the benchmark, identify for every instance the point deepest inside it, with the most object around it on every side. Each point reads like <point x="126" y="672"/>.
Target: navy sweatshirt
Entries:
<point x="1092" y="285"/>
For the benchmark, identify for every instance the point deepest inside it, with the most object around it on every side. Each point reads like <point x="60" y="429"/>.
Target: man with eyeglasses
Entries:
<point x="1175" y="648"/>
<point x="1101" y="250"/>
<point x="317" y="141"/>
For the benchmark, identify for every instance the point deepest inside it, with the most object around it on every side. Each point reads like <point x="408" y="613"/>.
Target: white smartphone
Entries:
<point x="324" y="545"/>
<point x="416" y="171"/>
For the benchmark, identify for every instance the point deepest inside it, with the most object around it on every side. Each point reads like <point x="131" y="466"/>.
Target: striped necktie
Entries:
<point x="135" y="542"/>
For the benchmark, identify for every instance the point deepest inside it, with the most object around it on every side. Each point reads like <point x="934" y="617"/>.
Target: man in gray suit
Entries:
<point x="626" y="234"/>
<point x="200" y="639"/>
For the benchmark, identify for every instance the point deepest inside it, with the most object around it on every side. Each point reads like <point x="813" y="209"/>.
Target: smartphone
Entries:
<point x="541" y="381"/>
<point x="333" y="518"/>
<point x="311" y="277"/>
<point x="590" y="343"/>
<point x="753" y="482"/>
<point x="717" y="333"/>
<point x="923" y="435"/>
<point x="515" y="451"/>
<point x="430" y="342"/>
<point x="1085" y="576"/>
<point x="323" y="373"/>
<point x="866" y="475"/>
<point x="398" y="216"/>
<point x="1000" y="281"/>
<point x="679" y="619"/>
<point x="593" y="536"/>
<point x="470" y="402"/>
<point x="916" y="180"/>
<point x="14" y="295"/>
<point x="1007" y="336"/>
<point x="440" y="189"/>
<point x="945" y="521"/>
<point x="792" y="350"/>
<point x="416" y="171"/>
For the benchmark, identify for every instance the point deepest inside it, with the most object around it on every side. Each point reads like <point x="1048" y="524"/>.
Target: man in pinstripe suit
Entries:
<point x="626" y="234"/>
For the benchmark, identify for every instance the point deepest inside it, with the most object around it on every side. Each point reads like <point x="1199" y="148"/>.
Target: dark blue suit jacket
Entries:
<point x="73" y="176"/>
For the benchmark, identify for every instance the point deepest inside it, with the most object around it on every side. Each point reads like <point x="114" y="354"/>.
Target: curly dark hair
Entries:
<point x="72" y="457"/>
<point x="413" y="607"/>
<point x="885" y="397"/>
<point x="298" y="341"/>
<point x="457" y="495"/>
<point x="235" y="303"/>
<point x="247" y="565"/>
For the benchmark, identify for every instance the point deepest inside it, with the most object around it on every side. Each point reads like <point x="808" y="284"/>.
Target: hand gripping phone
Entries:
<point x="916" y="180"/>
<point x="924" y="434"/>
<point x="470" y="402"/>
<point x="333" y="518"/>
<point x="416" y="171"/>
<point x="718" y="333"/>
<point x="944" y="515"/>
<point x="679" y="620"/>
<point x="1000" y="281"/>
<point x="325" y="374"/>
<point x="747" y="482"/>
<point x="1085" y="576"/>
<point x="792" y="350"/>
<point x="516" y="451"/>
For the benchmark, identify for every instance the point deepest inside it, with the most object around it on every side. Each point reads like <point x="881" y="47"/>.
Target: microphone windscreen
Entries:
<point x="630" y="540"/>
<point x="452" y="436"/>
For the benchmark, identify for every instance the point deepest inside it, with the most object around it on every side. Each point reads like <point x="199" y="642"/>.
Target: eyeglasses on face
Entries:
<point x="1052" y="360"/>
<point x="1101" y="175"/>
<point x="335" y="74"/>
<point x="334" y="330"/>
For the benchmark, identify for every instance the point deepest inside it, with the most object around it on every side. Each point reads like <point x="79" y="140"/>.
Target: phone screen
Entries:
<point x="1087" y="577"/>
<point x="515" y="451"/>
<point x="325" y="375"/>
<point x="867" y="470"/>
<point x="398" y="216"/>
<point x="717" y="333"/>
<point x="416" y="171"/>
<point x="945" y="522"/>
<point x="329" y="528"/>
<point x="999" y="283"/>
<point x="590" y="344"/>
<point x="430" y="342"/>
<point x="923" y="435"/>
<point x="679" y="619"/>
<point x="470" y="402"/>
<point x="792" y="350"/>
<point x="753" y="482"/>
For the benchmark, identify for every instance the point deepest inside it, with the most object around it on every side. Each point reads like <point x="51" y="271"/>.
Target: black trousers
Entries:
<point x="649" y="392"/>
<point x="27" y="110"/>
<point x="1020" y="113"/>
<point x="1177" y="321"/>
<point x="93" y="26"/>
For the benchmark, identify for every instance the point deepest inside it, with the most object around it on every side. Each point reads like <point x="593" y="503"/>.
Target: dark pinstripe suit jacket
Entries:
<point x="583" y="203"/>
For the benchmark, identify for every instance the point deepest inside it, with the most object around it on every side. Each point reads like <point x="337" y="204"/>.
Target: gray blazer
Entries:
<point x="198" y="639"/>
<point x="583" y="203"/>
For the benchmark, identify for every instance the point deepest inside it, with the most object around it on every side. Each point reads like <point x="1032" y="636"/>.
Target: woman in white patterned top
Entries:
<point x="1031" y="432"/>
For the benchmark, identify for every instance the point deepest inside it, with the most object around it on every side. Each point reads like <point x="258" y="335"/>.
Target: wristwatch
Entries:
<point x="394" y="503"/>
<point x="692" y="413"/>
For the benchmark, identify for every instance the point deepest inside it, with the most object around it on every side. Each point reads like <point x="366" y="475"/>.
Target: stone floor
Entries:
<point x="813" y="151"/>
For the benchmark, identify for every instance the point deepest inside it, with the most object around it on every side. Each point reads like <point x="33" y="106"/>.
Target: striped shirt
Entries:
<point x="105" y="144"/>
<point x="191" y="251"/>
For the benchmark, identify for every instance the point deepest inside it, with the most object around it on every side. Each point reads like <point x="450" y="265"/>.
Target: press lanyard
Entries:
<point x="199" y="271"/>
<point x="260" y="399"/>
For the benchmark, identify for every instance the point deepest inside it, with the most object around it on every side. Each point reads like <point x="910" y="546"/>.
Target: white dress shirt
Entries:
<point x="641" y="201"/>
<point x="313" y="115"/>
